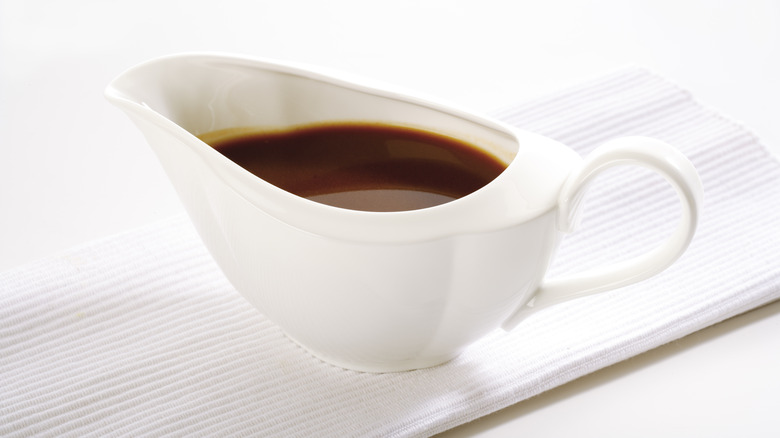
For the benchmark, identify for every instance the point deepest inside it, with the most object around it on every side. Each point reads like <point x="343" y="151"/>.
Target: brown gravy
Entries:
<point x="371" y="167"/>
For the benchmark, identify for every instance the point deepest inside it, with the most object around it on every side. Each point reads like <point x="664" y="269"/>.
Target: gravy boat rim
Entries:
<point x="501" y="203"/>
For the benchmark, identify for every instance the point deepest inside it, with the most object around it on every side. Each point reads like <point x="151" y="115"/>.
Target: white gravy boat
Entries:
<point x="383" y="291"/>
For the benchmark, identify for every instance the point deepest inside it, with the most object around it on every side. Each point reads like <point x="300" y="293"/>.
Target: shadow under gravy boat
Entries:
<point x="380" y="291"/>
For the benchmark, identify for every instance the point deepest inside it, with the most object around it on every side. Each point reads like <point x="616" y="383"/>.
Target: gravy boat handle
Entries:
<point x="654" y="154"/>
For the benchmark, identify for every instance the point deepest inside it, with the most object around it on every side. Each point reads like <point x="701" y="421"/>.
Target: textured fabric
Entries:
<point x="140" y="334"/>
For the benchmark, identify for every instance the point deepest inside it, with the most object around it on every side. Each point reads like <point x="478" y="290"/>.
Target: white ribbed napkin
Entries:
<point x="140" y="334"/>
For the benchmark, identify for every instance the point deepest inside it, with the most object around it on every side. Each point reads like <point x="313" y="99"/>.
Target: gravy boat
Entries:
<point x="381" y="291"/>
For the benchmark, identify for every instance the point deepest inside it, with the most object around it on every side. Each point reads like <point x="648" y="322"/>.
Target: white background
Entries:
<point x="73" y="168"/>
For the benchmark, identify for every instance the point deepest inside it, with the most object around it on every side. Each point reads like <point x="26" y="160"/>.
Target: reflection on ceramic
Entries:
<point x="380" y="291"/>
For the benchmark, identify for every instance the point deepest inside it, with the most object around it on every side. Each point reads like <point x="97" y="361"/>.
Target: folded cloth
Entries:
<point x="140" y="334"/>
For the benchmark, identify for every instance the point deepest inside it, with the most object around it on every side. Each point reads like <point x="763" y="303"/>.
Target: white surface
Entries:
<point x="72" y="168"/>
<point x="719" y="382"/>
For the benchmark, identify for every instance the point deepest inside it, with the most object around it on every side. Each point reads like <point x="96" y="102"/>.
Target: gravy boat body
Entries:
<point x="373" y="291"/>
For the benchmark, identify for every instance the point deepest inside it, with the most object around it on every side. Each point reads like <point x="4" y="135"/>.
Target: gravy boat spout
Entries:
<point x="372" y="291"/>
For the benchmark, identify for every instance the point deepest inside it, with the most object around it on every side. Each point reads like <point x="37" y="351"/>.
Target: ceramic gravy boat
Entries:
<point x="383" y="291"/>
